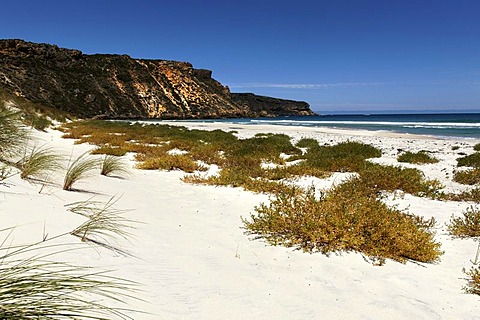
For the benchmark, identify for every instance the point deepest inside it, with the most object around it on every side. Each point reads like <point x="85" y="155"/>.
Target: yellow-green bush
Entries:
<point x="469" y="177"/>
<point x="377" y="177"/>
<point x="472" y="160"/>
<point x="343" y="157"/>
<point x="343" y="221"/>
<point x="473" y="284"/>
<point x="170" y="162"/>
<point x="421" y="157"/>
<point x="467" y="226"/>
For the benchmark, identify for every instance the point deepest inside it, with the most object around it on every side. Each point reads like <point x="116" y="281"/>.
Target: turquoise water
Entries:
<point x="445" y="125"/>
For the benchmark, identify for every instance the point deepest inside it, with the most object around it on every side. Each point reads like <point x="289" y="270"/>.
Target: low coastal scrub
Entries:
<point x="350" y="217"/>
<point x="421" y="157"/>
<point x="468" y="226"/>
<point x="169" y="162"/>
<point x="476" y="147"/>
<point x="344" y="221"/>
<point x="472" y="160"/>
<point x="32" y="114"/>
<point x="375" y="178"/>
<point x="473" y="281"/>
<point x="307" y="143"/>
<point x="470" y="177"/>
<point x="343" y="157"/>
<point x="472" y="195"/>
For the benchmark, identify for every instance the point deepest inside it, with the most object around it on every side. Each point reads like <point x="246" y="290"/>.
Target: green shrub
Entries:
<point x="307" y="143"/>
<point x="376" y="177"/>
<point x="471" y="195"/>
<point x="472" y="160"/>
<point x="455" y="148"/>
<point x="108" y="150"/>
<point x="469" y="177"/>
<point x="343" y="157"/>
<point x="343" y="221"/>
<point x="420" y="157"/>
<point x="476" y="147"/>
<point x="170" y="162"/>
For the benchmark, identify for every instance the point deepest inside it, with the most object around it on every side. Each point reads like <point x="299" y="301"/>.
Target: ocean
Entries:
<point x="444" y="125"/>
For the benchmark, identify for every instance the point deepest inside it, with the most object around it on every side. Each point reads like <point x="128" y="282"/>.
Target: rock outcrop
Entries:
<point x="118" y="86"/>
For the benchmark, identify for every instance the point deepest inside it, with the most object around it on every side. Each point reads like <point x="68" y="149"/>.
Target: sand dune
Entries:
<point x="193" y="260"/>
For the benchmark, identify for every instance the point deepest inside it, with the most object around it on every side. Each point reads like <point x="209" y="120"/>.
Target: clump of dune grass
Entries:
<point x="79" y="169"/>
<point x="344" y="220"/>
<point x="5" y="172"/>
<point x="38" y="163"/>
<point x="113" y="166"/>
<point x="469" y="177"/>
<point x="105" y="223"/>
<point x="13" y="135"/>
<point x="421" y="157"/>
<point x="33" y="285"/>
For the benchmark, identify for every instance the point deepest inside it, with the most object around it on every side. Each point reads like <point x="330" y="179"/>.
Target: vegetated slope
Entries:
<point x="118" y="86"/>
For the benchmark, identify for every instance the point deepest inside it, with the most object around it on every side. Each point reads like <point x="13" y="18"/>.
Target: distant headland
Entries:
<point x="118" y="86"/>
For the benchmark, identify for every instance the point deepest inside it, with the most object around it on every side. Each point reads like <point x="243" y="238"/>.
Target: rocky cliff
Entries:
<point x="118" y="86"/>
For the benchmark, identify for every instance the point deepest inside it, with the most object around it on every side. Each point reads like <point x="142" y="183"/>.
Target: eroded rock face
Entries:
<point x="118" y="86"/>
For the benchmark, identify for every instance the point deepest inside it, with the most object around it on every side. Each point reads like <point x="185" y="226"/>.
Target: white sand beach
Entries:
<point x="193" y="260"/>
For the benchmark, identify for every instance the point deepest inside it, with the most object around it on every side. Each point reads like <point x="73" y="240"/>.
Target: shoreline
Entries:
<point x="297" y="129"/>
<point x="194" y="261"/>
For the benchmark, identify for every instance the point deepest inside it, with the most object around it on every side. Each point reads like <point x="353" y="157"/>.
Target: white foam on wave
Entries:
<point x="462" y="125"/>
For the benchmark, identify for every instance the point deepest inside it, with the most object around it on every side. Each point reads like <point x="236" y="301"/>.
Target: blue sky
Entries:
<point x="338" y="55"/>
